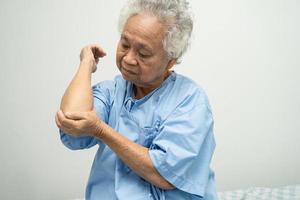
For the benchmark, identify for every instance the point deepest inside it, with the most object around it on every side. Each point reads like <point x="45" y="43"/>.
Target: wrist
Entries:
<point x="88" y="64"/>
<point x="99" y="129"/>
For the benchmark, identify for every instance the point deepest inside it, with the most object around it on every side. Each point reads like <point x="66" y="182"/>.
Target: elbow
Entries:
<point x="72" y="107"/>
<point x="76" y="109"/>
<point x="161" y="182"/>
<point x="166" y="185"/>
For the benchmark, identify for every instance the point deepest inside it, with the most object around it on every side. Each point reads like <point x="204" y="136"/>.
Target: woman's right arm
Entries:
<point x="78" y="96"/>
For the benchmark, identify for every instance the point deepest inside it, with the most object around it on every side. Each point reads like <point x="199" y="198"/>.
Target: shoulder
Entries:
<point x="109" y="85"/>
<point x="108" y="88"/>
<point x="189" y="86"/>
<point x="188" y="93"/>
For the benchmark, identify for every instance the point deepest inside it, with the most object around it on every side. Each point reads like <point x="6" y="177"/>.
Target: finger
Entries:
<point x="75" y="115"/>
<point x="64" y="121"/>
<point x="66" y="131"/>
<point x="94" y="70"/>
<point x="63" y="129"/>
<point x="97" y="51"/>
<point x="57" y="122"/>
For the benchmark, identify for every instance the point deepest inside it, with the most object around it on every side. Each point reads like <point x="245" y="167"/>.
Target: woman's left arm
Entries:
<point x="134" y="155"/>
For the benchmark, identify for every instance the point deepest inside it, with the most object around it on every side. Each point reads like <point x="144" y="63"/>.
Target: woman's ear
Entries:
<point x="171" y="63"/>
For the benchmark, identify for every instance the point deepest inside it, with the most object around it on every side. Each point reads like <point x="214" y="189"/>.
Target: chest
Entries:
<point x="139" y="122"/>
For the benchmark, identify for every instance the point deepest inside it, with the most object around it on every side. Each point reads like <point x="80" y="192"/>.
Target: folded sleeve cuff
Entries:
<point x="77" y="143"/>
<point x="158" y="159"/>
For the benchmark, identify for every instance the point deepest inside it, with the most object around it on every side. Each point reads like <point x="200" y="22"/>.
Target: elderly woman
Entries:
<point x="153" y="127"/>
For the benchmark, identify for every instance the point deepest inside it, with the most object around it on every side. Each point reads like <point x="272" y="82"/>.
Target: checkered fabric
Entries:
<point x="262" y="193"/>
<point x="291" y="192"/>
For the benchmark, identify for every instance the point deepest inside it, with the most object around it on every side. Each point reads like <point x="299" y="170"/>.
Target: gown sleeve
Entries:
<point x="102" y="93"/>
<point x="183" y="148"/>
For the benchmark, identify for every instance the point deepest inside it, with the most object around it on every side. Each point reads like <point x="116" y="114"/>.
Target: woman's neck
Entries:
<point x="140" y="92"/>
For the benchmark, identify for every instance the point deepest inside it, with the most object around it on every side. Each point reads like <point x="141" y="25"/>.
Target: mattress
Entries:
<point x="291" y="192"/>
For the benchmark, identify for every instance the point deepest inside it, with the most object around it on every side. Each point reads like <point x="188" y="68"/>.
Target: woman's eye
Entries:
<point x="144" y="55"/>
<point x="125" y="46"/>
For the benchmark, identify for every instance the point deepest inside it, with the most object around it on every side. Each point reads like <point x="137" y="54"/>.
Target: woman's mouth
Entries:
<point x="129" y="71"/>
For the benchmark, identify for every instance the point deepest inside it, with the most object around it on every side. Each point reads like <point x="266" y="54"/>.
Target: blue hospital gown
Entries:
<point x="174" y="121"/>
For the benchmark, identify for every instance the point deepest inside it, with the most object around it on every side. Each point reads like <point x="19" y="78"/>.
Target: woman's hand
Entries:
<point x="79" y="123"/>
<point x="90" y="54"/>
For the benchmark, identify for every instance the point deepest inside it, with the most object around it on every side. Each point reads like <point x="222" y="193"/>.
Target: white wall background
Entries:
<point x="245" y="54"/>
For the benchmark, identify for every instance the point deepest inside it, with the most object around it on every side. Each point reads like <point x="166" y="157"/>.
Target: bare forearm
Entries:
<point x="134" y="155"/>
<point x="78" y="95"/>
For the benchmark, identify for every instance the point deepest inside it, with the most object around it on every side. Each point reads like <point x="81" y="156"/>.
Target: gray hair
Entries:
<point x="174" y="14"/>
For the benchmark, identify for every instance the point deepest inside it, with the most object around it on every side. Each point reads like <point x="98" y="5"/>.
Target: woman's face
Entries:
<point x="140" y="55"/>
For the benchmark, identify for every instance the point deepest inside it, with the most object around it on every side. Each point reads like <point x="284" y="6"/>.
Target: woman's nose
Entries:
<point x="130" y="58"/>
